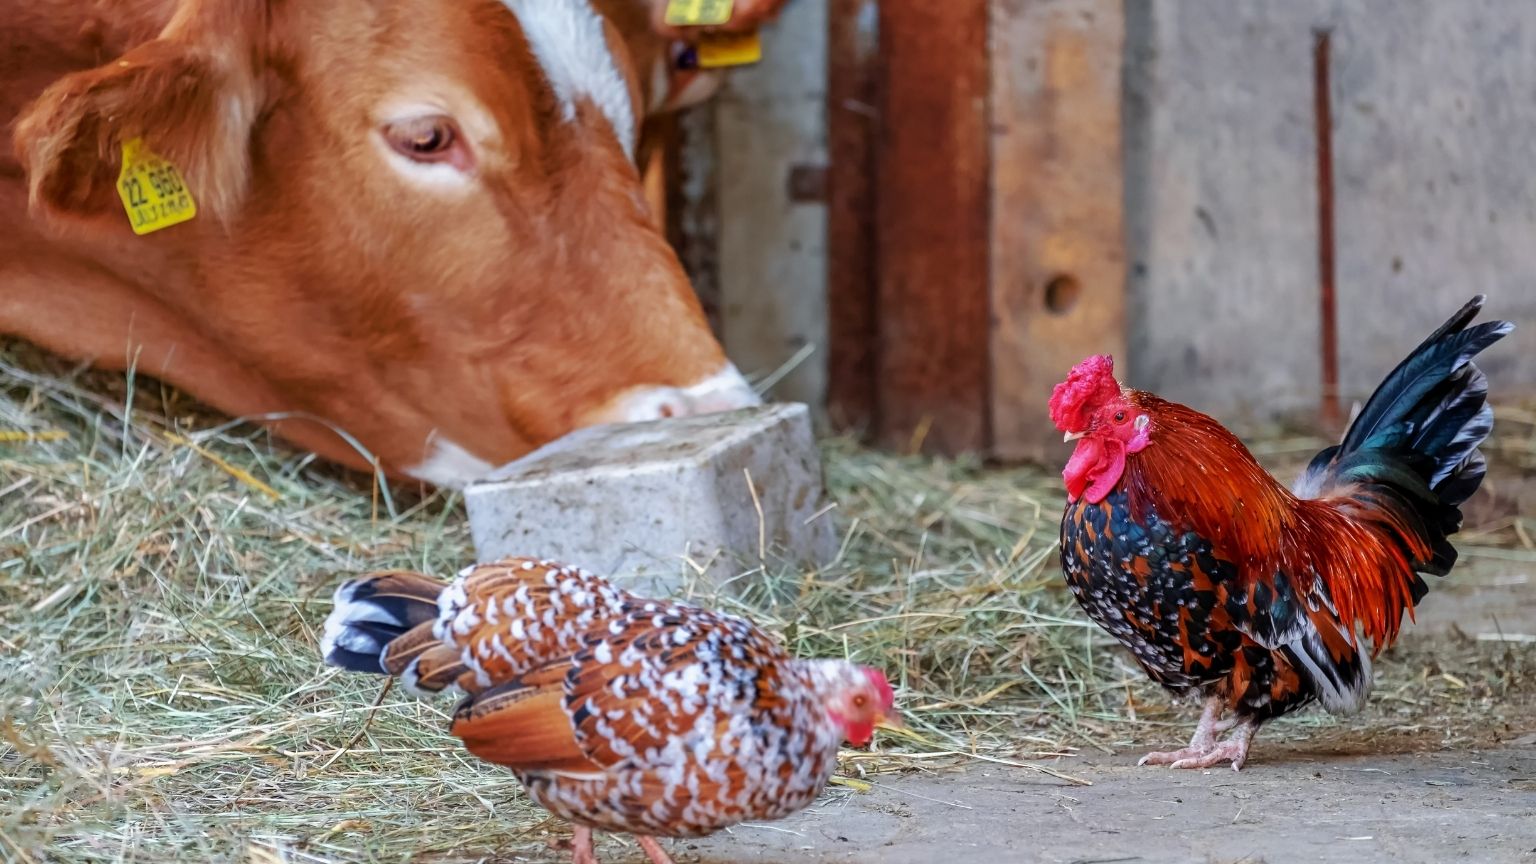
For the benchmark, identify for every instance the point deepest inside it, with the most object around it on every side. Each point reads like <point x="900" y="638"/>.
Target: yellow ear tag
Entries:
<point x="698" y="13"/>
<point x="152" y="190"/>
<point x="730" y="49"/>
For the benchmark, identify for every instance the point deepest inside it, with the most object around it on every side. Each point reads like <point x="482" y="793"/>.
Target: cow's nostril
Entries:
<point x="666" y="402"/>
<point x="718" y="393"/>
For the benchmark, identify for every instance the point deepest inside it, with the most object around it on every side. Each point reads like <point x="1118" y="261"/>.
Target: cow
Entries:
<point x="421" y="243"/>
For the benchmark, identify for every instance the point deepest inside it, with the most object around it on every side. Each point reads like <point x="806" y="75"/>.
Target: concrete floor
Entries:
<point x="1359" y="793"/>
<point x="1287" y="805"/>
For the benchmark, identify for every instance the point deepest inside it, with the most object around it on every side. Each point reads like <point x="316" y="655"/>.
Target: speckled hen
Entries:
<point x="616" y="712"/>
<point x="1224" y="583"/>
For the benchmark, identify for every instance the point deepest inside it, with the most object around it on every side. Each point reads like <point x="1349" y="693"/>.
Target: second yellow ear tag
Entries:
<point x="698" y="13"/>
<point x="730" y="49"/>
<point x="153" y="192"/>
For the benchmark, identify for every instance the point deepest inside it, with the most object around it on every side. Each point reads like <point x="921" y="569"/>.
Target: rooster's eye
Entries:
<point x="1119" y="416"/>
<point x="859" y="701"/>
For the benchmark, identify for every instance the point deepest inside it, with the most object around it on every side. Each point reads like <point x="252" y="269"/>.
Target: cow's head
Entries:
<point x="419" y="219"/>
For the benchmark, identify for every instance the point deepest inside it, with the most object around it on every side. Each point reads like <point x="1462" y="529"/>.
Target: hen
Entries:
<point x="1221" y="581"/>
<point x="616" y="712"/>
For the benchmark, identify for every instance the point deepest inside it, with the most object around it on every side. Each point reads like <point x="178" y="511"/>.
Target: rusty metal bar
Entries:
<point x="1322" y="99"/>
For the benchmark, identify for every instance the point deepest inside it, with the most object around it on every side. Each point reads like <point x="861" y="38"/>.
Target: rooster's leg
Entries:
<point x="1204" y="739"/>
<point x="653" y="849"/>
<point x="1234" y="750"/>
<point x="581" y="846"/>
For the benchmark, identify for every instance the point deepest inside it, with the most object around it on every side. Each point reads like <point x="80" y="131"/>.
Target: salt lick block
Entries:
<point x="650" y="503"/>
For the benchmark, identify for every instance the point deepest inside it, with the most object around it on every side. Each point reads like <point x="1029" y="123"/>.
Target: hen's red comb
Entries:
<point x="1088" y="385"/>
<point x="882" y="686"/>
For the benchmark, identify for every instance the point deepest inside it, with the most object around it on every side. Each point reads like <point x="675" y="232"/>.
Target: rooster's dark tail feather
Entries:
<point x="1416" y="440"/>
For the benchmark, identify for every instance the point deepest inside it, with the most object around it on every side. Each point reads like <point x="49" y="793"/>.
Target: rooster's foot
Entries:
<point x="1234" y="750"/>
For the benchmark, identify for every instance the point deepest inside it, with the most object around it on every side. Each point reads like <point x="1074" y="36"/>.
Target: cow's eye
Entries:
<point x="423" y="139"/>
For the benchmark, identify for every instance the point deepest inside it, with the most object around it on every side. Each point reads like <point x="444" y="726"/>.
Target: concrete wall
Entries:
<point x="1435" y="160"/>
<point x="773" y="275"/>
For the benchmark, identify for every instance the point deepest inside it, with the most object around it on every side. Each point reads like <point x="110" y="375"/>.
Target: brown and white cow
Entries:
<point x="420" y="225"/>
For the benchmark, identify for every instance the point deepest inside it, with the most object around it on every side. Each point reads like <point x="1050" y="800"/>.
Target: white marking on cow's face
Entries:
<point x="449" y="465"/>
<point x="239" y="112"/>
<point x="569" y="40"/>
<point x="725" y="390"/>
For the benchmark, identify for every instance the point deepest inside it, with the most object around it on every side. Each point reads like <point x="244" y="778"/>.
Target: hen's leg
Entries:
<point x="653" y="850"/>
<point x="581" y="846"/>
<point x="1204" y="739"/>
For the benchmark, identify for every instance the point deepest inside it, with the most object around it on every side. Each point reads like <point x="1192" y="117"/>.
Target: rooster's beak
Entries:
<point x="1072" y="436"/>
<point x="891" y="721"/>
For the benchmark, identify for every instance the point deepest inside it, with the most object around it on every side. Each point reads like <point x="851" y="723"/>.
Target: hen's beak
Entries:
<point x="1072" y="436"/>
<point x="891" y="721"/>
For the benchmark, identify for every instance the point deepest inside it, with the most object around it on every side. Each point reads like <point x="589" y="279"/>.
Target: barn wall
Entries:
<point x="1434" y="136"/>
<point x="773" y="279"/>
<point x="1436" y="170"/>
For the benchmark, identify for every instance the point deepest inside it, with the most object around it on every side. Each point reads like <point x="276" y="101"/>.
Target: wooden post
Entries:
<point x="852" y="126"/>
<point x="975" y="238"/>
<point x="1057" y="231"/>
<point x="931" y="368"/>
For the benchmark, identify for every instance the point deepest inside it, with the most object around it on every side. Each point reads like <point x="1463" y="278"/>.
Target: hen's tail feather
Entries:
<point x="422" y="662"/>
<point x="371" y="614"/>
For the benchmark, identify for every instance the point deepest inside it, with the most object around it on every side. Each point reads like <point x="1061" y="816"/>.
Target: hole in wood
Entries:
<point x="1061" y="294"/>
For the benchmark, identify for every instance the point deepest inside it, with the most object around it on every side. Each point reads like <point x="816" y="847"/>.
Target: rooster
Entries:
<point x="618" y="713"/>
<point x="1224" y="583"/>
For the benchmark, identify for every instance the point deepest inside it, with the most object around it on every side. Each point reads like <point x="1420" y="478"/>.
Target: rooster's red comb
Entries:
<point x="1088" y="385"/>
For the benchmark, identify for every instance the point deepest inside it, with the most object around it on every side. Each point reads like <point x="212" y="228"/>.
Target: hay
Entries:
<point x="162" y="573"/>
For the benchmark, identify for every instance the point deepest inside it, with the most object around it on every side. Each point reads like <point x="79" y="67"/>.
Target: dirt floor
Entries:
<point x="1399" y="783"/>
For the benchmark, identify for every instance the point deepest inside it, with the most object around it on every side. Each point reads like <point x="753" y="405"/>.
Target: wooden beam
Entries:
<point x="931" y="371"/>
<point x="852" y="127"/>
<point x="1057" y="233"/>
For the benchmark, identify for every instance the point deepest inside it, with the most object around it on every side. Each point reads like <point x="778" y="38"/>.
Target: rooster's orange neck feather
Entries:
<point x="1198" y="474"/>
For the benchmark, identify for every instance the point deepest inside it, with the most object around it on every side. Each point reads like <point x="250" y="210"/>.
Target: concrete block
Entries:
<point x="633" y="501"/>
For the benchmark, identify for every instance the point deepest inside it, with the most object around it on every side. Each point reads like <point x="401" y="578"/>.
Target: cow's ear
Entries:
<point x="681" y="88"/>
<point x="191" y="95"/>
